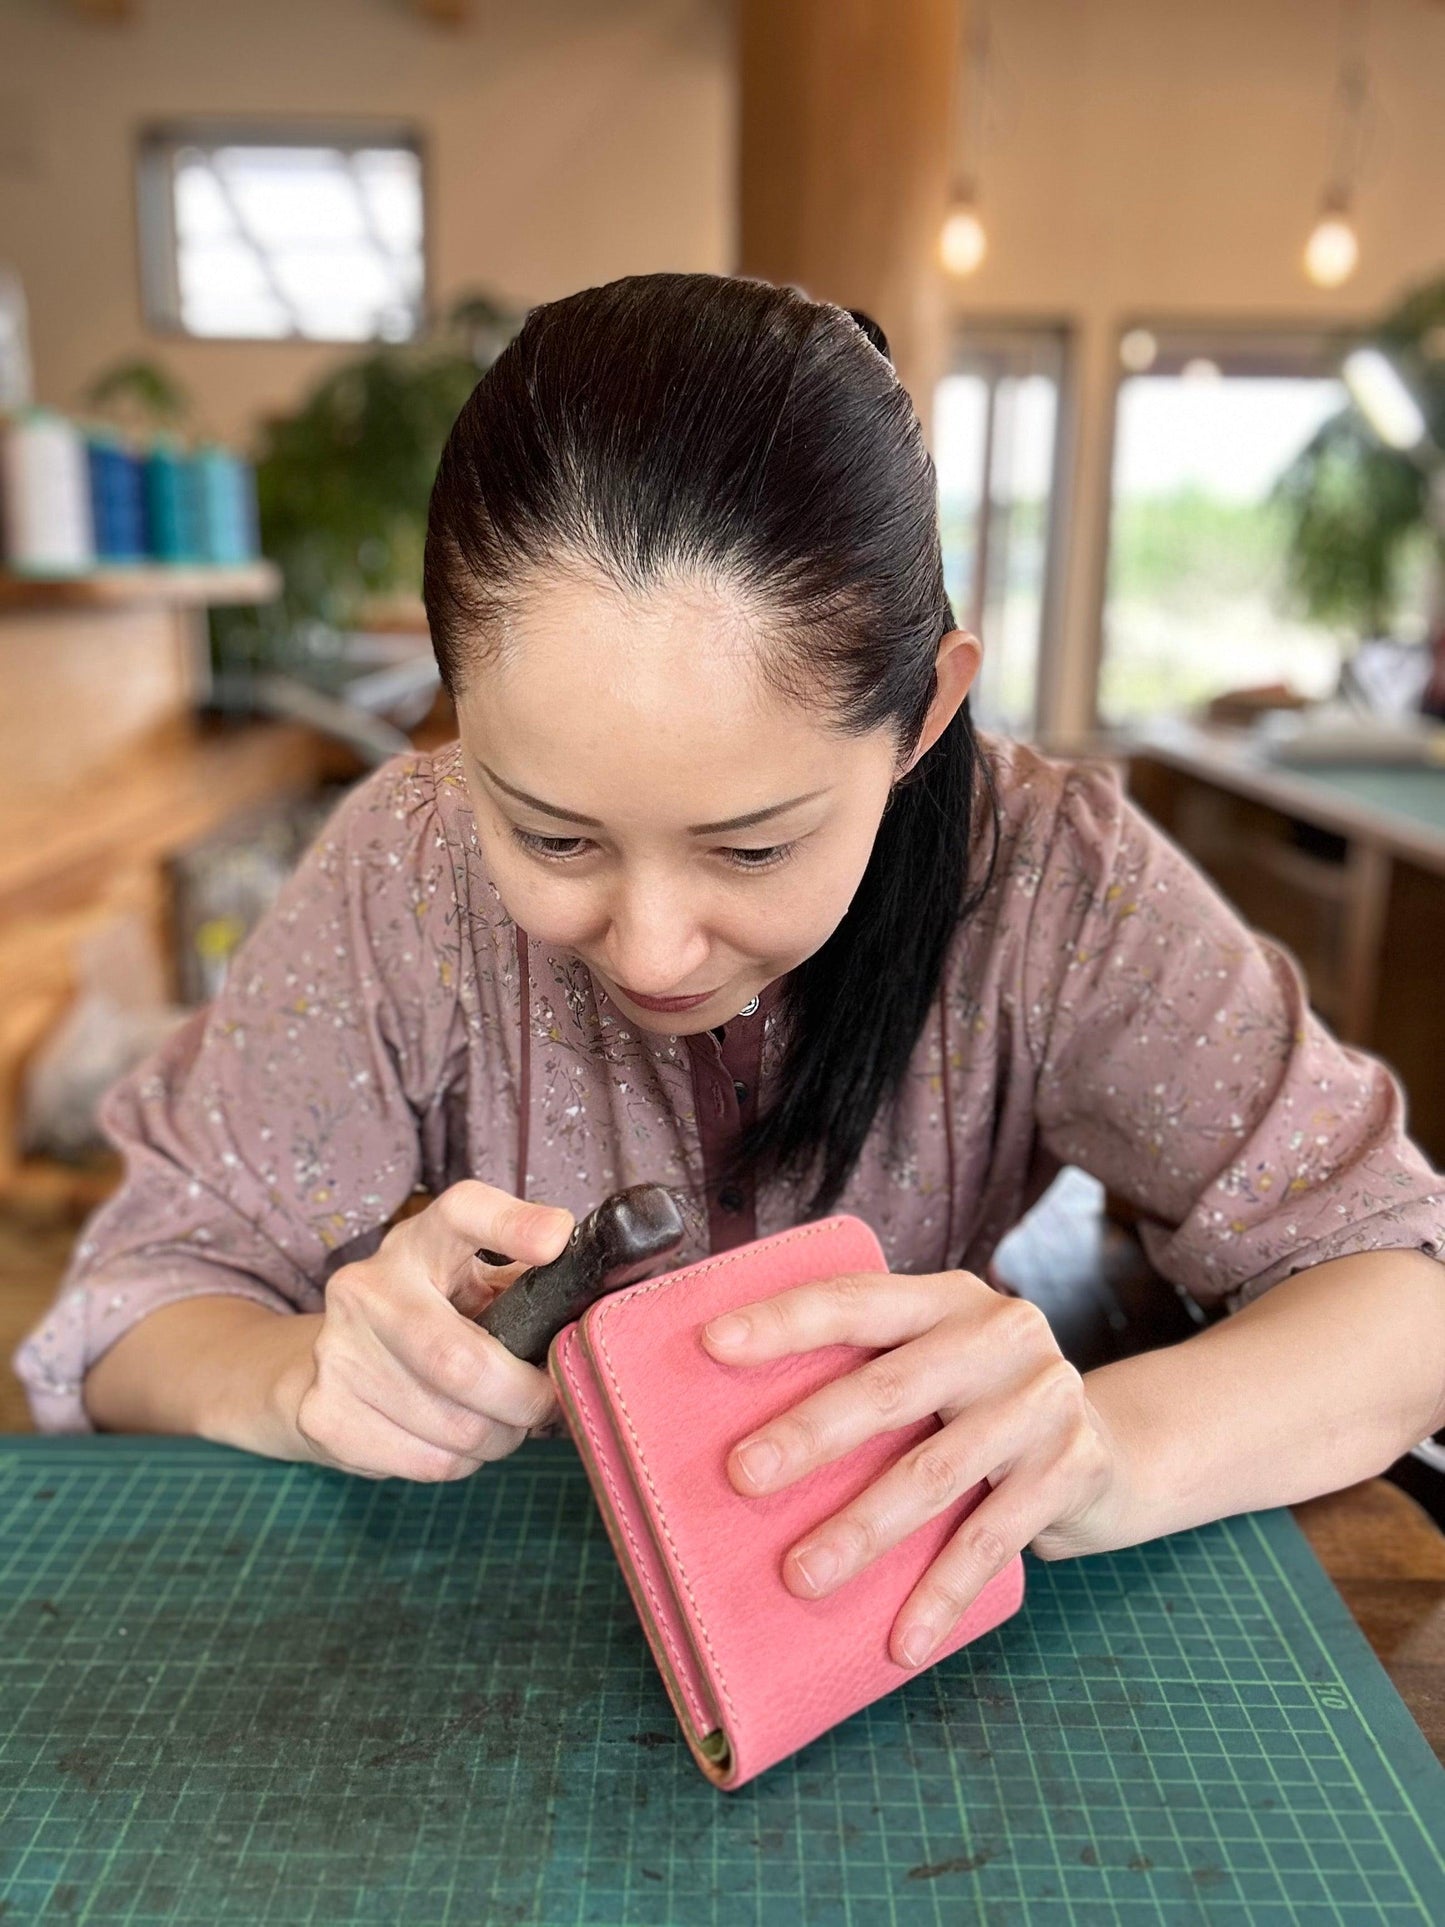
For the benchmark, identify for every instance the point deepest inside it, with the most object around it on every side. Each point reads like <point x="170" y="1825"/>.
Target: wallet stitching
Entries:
<point x="639" y="1566"/>
<point x="660" y="1284"/>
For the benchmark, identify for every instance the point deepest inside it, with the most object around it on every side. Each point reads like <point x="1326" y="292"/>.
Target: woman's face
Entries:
<point x="645" y="800"/>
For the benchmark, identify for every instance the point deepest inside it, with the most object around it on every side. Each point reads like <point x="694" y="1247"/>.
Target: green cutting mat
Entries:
<point x="240" y="1691"/>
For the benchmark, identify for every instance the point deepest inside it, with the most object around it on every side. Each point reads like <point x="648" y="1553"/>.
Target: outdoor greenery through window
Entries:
<point x="996" y="437"/>
<point x="1199" y="596"/>
<point x="265" y="236"/>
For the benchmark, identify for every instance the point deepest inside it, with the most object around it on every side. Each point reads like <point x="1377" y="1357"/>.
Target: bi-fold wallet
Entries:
<point x="754" y="1671"/>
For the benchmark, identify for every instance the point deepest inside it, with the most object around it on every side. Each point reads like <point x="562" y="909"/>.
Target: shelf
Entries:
<point x="43" y="1189"/>
<point x="177" y="587"/>
<point x="175" y="784"/>
<point x="70" y="863"/>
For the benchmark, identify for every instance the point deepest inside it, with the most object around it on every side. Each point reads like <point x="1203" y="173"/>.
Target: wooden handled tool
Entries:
<point x="614" y="1245"/>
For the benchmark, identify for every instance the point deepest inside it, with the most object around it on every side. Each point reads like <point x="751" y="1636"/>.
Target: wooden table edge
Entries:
<point x="1386" y="1557"/>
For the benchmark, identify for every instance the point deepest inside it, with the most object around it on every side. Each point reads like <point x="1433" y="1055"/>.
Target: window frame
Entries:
<point x="156" y="240"/>
<point x="1281" y="346"/>
<point x="998" y="345"/>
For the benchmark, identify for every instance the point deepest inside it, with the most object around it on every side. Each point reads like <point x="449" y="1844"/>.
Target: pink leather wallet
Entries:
<point x="753" y="1670"/>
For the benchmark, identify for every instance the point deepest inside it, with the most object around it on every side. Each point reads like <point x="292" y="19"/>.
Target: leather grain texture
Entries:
<point x="654" y="1416"/>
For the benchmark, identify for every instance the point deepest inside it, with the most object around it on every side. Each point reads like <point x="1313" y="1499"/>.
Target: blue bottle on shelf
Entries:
<point x="117" y="499"/>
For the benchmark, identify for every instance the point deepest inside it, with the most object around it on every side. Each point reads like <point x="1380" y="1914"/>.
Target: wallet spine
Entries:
<point x="707" y="1737"/>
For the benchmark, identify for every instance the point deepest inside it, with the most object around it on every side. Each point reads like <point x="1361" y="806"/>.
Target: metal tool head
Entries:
<point x="614" y="1245"/>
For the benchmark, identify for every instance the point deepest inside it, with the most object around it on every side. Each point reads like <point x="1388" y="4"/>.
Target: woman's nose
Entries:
<point x="657" y="944"/>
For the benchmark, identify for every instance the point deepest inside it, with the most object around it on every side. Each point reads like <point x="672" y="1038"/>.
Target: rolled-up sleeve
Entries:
<point x="273" y="1135"/>
<point x="1178" y="1060"/>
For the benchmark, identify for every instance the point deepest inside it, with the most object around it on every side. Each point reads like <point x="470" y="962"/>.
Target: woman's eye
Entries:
<point x="766" y="859"/>
<point x="557" y="848"/>
<point x="562" y="849"/>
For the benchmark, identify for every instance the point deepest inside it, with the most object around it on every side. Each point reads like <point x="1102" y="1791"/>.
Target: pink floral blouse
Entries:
<point x="387" y="1028"/>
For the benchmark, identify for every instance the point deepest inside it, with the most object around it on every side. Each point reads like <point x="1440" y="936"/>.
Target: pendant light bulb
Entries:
<point x="1332" y="252"/>
<point x="962" y="242"/>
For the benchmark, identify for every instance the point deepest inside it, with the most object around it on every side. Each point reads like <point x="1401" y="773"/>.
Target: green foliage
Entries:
<point x="140" y="394"/>
<point x="1356" y="511"/>
<point x="343" y="483"/>
<point x="1351" y="506"/>
<point x="1190" y="546"/>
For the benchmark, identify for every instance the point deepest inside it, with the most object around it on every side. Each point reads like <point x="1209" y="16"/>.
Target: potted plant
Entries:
<point x="343" y="484"/>
<point x="1365" y="527"/>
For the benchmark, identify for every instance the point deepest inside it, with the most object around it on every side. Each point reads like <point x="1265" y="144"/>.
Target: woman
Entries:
<point x="719" y="888"/>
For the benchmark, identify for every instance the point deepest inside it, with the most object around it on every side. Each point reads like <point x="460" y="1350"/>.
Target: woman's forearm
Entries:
<point x="1323" y="1380"/>
<point x="220" y="1366"/>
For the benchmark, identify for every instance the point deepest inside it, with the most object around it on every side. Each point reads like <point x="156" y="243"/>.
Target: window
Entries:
<point x="1195" y="601"/>
<point x="996" y="438"/>
<point x="269" y="236"/>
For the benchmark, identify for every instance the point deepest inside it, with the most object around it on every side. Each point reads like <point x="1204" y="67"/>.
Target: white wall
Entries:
<point x="569" y="141"/>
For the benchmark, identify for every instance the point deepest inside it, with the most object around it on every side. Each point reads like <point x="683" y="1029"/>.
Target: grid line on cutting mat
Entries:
<point x="232" y="1690"/>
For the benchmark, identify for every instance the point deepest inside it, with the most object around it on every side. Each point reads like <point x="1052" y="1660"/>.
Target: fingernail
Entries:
<point x="818" y="1566"/>
<point x="731" y="1330"/>
<point x="760" y="1460"/>
<point x="917" y="1643"/>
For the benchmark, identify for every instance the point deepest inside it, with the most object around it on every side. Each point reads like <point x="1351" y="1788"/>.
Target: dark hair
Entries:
<point x="667" y="424"/>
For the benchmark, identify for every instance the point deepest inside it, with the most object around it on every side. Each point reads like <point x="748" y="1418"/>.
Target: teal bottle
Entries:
<point x="171" y="508"/>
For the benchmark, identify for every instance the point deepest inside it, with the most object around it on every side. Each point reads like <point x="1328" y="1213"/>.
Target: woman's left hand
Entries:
<point x="1014" y="1412"/>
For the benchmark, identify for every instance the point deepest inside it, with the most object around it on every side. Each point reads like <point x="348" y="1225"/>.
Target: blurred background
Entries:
<point x="1167" y="285"/>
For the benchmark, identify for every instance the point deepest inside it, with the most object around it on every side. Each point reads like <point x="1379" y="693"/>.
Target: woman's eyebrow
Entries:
<point x="695" y="829"/>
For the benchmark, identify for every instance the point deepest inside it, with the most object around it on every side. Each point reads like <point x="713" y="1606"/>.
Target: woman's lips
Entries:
<point x="665" y="1003"/>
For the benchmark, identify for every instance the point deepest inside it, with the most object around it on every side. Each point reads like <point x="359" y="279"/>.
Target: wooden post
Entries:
<point x="445" y="13"/>
<point x="844" y="155"/>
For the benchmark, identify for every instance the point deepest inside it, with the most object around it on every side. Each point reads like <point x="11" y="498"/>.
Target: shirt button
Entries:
<point x="730" y="1198"/>
<point x="740" y="1090"/>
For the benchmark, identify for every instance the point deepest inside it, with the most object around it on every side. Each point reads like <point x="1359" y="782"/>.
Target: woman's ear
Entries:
<point x="956" y="666"/>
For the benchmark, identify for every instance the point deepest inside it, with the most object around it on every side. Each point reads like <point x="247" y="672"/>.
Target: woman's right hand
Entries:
<point x="402" y="1383"/>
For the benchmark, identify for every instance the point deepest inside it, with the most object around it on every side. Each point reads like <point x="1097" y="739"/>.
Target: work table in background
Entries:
<point x="1344" y="865"/>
